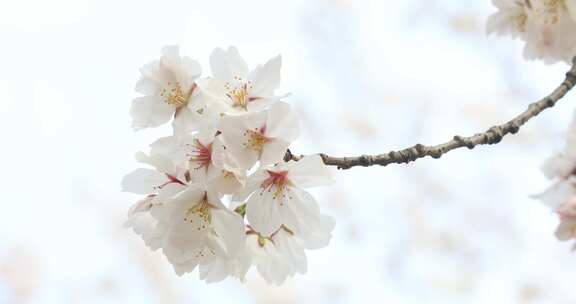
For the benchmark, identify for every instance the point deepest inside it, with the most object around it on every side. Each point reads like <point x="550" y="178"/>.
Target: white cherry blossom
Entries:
<point x="198" y="229"/>
<point x="282" y="254"/>
<point x="560" y="168"/>
<point x="547" y="26"/>
<point x="169" y="90"/>
<point x="268" y="259"/>
<point x="263" y="136"/>
<point x="551" y="32"/>
<point x="222" y="268"/>
<point x="143" y="223"/>
<point x="165" y="180"/>
<point x="510" y="19"/>
<point x="222" y="127"/>
<point x="240" y="89"/>
<point x="277" y="197"/>
<point x="567" y="228"/>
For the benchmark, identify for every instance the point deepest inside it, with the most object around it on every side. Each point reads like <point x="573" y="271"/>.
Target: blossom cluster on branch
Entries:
<point x="560" y="168"/>
<point x="223" y="193"/>
<point x="547" y="26"/>
<point x="217" y="194"/>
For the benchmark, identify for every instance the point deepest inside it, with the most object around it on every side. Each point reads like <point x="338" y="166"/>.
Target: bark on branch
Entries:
<point x="492" y="136"/>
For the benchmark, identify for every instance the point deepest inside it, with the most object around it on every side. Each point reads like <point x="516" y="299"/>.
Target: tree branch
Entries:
<point x="491" y="136"/>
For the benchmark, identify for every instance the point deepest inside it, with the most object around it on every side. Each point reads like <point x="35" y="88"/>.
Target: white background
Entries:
<point x="366" y="76"/>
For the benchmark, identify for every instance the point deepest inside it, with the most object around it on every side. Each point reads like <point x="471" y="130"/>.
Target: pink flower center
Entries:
<point x="201" y="154"/>
<point x="277" y="181"/>
<point x="255" y="139"/>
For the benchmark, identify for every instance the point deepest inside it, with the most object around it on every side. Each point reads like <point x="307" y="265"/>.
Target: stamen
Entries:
<point x="228" y="174"/>
<point x="239" y="93"/>
<point x="255" y="139"/>
<point x="201" y="154"/>
<point x="553" y="8"/>
<point x="175" y="96"/>
<point x="279" y="182"/>
<point x="200" y="214"/>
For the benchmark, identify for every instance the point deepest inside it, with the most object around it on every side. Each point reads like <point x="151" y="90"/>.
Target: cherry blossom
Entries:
<point x="277" y="197"/>
<point x="282" y="254"/>
<point x="510" y="19"/>
<point x="546" y="26"/>
<point x="223" y="126"/>
<point x="262" y="136"/>
<point x="567" y="228"/>
<point x="242" y="90"/>
<point x="169" y="88"/>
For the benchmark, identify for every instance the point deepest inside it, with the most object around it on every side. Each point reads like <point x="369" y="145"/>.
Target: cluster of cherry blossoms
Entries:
<point x="561" y="195"/>
<point x="217" y="193"/>
<point x="547" y="26"/>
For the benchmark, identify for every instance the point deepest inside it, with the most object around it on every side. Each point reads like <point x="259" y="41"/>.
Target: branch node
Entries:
<point x="436" y="153"/>
<point x="514" y="128"/>
<point x="419" y="148"/>
<point x="364" y="160"/>
<point x="288" y="155"/>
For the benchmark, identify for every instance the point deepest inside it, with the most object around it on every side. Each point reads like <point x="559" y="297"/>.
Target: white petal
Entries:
<point x="261" y="103"/>
<point x="558" y="194"/>
<point x="291" y="250"/>
<point x="169" y="191"/>
<point x="266" y="78"/>
<point x="299" y="211"/>
<point x="214" y="272"/>
<point x="143" y="181"/>
<point x="191" y="69"/>
<point x="227" y="64"/>
<point x="571" y="6"/>
<point x="229" y="227"/>
<point x="565" y="230"/>
<point x="271" y="265"/>
<point x="184" y="267"/>
<point x="320" y="236"/>
<point x="234" y="136"/>
<point x="186" y="122"/>
<point x="558" y="166"/>
<point x="148" y="86"/>
<point x="262" y="213"/>
<point x="171" y="55"/>
<point x="253" y="183"/>
<point x="159" y="162"/>
<point x="164" y="146"/>
<point x="310" y="171"/>
<point x="273" y="152"/>
<point x="282" y="122"/>
<point x="149" y="112"/>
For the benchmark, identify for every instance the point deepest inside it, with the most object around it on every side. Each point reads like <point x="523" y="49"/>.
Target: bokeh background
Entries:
<point x="367" y="77"/>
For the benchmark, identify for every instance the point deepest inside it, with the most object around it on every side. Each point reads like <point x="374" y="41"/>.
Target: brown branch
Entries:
<point x="491" y="136"/>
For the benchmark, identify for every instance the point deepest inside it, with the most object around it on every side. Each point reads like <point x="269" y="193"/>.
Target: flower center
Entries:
<point x="175" y="96"/>
<point x="255" y="139"/>
<point x="552" y="9"/>
<point x="520" y="22"/>
<point x="239" y="92"/>
<point x="199" y="215"/>
<point x="201" y="154"/>
<point x="277" y="181"/>
<point x="228" y="174"/>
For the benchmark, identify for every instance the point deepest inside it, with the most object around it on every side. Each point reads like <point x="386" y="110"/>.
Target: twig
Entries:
<point x="491" y="136"/>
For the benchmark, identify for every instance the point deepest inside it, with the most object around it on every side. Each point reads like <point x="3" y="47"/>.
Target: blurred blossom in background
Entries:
<point x="367" y="77"/>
